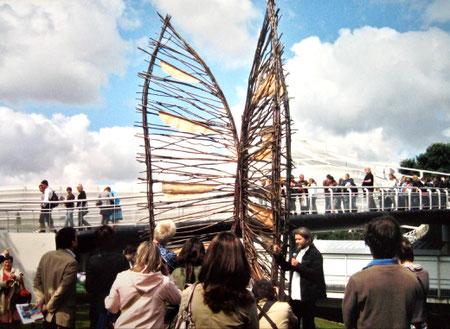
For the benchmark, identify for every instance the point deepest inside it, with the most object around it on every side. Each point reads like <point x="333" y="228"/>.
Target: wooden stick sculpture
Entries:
<point x="197" y="167"/>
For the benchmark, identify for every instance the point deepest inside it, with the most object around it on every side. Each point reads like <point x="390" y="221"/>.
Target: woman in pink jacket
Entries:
<point x="141" y="292"/>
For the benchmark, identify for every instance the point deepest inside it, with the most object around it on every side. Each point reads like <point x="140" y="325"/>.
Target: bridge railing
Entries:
<point x="339" y="199"/>
<point x="21" y="212"/>
<point x="22" y="215"/>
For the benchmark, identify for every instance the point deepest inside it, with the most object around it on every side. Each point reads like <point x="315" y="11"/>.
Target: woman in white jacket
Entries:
<point x="312" y="191"/>
<point x="141" y="292"/>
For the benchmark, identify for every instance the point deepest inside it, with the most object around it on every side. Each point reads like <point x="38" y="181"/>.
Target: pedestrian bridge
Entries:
<point x="20" y="207"/>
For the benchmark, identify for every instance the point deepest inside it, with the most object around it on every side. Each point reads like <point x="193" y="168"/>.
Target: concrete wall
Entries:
<point x="27" y="249"/>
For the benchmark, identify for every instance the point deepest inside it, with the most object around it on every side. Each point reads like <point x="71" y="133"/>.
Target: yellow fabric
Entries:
<point x="178" y="73"/>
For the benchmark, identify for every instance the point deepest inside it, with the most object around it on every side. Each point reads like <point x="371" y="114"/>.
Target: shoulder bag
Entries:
<point x="185" y="320"/>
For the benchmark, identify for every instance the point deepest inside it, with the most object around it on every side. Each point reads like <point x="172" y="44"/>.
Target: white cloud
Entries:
<point x="59" y="51"/>
<point x="130" y="18"/>
<point x="64" y="151"/>
<point x="438" y="12"/>
<point x="372" y="89"/>
<point x="222" y="30"/>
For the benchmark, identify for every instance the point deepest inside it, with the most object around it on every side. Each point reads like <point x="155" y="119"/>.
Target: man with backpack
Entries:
<point x="47" y="206"/>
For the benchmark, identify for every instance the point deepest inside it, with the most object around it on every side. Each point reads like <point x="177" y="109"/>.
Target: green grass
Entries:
<point x="325" y="324"/>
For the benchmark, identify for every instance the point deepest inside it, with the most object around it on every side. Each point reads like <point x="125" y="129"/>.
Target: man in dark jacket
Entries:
<point x="307" y="278"/>
<point x="101" y="271"/>
<point x="369" y="181"/>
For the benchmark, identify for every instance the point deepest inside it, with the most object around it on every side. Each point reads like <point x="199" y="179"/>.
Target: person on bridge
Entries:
<point x="307" y="278"/>
<point x="46" y="207"/>
<point x="369" y="181"/>
<point x="302" y="194"/>
<point x="326" y="191"/>
<point x="82" y="206"/>
<point x="383" y="294"/>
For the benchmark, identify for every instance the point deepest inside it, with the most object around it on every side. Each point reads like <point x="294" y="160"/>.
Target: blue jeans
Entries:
<point x="69" y="218"/>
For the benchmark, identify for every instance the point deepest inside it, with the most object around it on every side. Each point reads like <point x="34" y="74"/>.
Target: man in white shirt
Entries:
<point x="46" y="212"/>
<point x="307" y="278"/>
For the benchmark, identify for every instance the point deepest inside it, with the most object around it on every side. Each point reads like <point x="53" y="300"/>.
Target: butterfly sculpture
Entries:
<point x="199" y="170"/>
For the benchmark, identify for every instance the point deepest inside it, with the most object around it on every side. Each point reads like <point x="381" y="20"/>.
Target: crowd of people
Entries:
<point x="341" y="195"/>
<point x="152" y="287"/>
<point x="108" y="203"/>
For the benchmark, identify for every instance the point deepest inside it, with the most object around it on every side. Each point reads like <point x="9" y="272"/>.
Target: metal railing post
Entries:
<point x="331" y="199"/>
<point x="350" y="201"/>
<point x="446" y="199"/>
<point x="430" y="198"/>
<point x="396" y="198"/>
<point x="420" y="199"/>
<point x="409" y="199"/>
<point x="368" y="198"/>
<point x="439" y="198"/>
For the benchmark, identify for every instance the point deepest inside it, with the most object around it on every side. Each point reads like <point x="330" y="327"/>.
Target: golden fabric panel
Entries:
<point x="177" y="73"/>
<point x="185" y="125"/>
<point x="186" y="188"/>
<point x="263" y="214"/>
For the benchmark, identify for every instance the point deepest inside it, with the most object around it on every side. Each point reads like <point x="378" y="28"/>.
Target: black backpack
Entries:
<point x="54" y="198"/>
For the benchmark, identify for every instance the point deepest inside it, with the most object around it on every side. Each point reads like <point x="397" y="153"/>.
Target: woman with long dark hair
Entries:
<point x="221" y="298"/>
<point x="189" y="261"/>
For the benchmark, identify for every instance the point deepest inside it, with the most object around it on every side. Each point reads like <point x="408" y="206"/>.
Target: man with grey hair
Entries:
<point x="307" y="278"/>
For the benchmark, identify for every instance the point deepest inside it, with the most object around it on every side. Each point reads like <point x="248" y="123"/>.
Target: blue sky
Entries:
<point x="360" y="73"/>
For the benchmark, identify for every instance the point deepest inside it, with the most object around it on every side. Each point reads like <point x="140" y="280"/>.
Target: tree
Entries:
<point x="435" y="158"/>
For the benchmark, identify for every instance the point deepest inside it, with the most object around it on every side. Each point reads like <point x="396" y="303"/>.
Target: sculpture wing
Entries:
<point x="264" y="151"/>
<point x="190" y="139"/>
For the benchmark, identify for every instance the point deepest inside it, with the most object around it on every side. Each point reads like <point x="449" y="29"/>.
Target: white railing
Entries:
<point x="340" y="199"/>
<point x="23" y="215"/>
<point x="20" y="210"/>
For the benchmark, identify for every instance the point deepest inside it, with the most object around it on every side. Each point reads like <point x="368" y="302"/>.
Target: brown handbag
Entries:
<point x="185" y="320"/>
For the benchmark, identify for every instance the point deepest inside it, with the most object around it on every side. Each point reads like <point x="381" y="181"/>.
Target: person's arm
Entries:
<point x="280" y="259"/>
<point x="350" y="310"/>
<point x="170" y="292"/>
<point x="68" y="282"/>
<point x="112" y="301"/>
<point x="4" y="254"/>
<point x="37" y="287"/>
<point x="311" y="268"/>
<point x="47" y="197"/>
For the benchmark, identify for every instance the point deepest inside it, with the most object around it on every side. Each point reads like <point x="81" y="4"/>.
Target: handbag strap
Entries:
<point x="188" y="305"/>
<point x="263" y="312"/>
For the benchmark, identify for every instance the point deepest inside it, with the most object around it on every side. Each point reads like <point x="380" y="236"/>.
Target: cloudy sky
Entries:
<point x="370" y="78"/>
